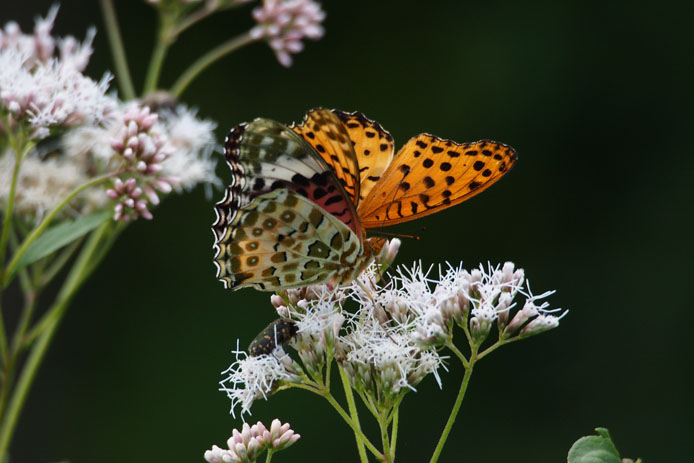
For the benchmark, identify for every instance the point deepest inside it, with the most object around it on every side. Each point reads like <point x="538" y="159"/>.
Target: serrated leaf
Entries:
<point x="594" y="449"/>
<point x="60" y="235"/>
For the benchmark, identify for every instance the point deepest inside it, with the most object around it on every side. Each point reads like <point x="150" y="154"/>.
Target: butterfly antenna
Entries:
<point x="398" y="235"/>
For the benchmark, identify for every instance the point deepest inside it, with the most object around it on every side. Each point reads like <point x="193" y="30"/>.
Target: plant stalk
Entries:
<point x="351" y="405"/>
<point x="207" y="59"/>
<point x="362" y="439"/>
<point x="77" y="276"/>
<point x="36" y="232"/>
<point x="454" y="411"/>
<point x="164" y="41"/>
<point x="115" y="41"/>
<point x="385" y="439"/>
<point x="7" y="219"/>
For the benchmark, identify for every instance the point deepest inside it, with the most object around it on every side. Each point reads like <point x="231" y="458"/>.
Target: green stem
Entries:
<point x="385" y="440"/>
<point x="369" y="404"/>
<point x="25" y="281"/>
<point x="305" y="387"/>
<point x="268" y="458"/>
<point x="36" y="232"/>
<point x="361" y="438"/>
<point x="496" y="345"/>
<point x="454" y="411"/>
<point x="394" y="431"/>
<point x="112" y="235"/>
<point x="115" y="41"/>
<point x="328" y="367"/>
<point x="97" y="257"/>
<point x="164" y="41"/>
<point x="207" y="59"/>
<point x="4" y="352"/>
<point x="201" y="13"/>
<point x="460" y="355"/>
<point x="20" y="154"/>
<point x="59" y="262"/>
<point x="352" y="406"/>
<point x="79" y="273"/>
<point x="20" y="332"/>
<point x="6" y="387"/>
<point x="30" y="299"/>
<point x="11" y="361"/>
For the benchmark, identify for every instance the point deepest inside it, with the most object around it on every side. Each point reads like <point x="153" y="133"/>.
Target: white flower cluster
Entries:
<point x="474" y="300"/>
<point x="392" y="341"/>
<point x="245" y="446"/>
<point x="284" y="23"/>
<point x="45" y="90"/>
<point x="97" y="134"/>
<point x="156" y="154"/>
<point x="43" y="183"/>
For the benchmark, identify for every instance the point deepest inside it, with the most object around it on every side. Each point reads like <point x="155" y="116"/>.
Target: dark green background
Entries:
<point x="595" y="97"/>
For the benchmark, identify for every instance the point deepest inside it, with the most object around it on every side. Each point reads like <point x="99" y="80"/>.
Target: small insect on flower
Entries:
<point x="276" y="334"/>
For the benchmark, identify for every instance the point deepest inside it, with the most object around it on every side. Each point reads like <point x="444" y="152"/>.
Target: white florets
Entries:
<point x="245" y="445"/>
<point x="393" y="340"/>
<point x="284" y="23"/>
<point x="49" y="91"/>
<point x="251" y="378"/>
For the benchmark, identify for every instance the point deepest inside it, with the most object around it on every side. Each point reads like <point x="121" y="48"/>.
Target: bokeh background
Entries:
<point x="595" y="96"/>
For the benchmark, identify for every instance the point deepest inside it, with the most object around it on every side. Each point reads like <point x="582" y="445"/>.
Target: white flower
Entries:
<point x="43" y="183"/>
<point x="317" y="330"/>
<point x="191" y="141"/>
<point x="383" y="361"/>
<point x="46" y="91"/>
<point x="250" y="378"/>
<point x="283" y="23"/>
<point x="392" y="341"/>
<point x="162" y="152"/>
<point x="247" y="444"/>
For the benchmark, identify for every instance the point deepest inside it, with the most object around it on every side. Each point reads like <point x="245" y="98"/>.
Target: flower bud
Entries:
<point x="528" y="311"/>
<point x="539" y="325"/>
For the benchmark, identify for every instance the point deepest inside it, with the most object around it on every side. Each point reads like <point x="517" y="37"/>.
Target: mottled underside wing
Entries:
<point x="277" y="333"/>
<point x="264" y="156"/>
<point x="323" y="130"/>
<point x="373" y="147"/>
<point x="430" y="174"/>
<point x="282" y="240"/>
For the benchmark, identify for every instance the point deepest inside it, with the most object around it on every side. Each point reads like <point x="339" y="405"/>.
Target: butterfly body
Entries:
<point x="302" y="196"/>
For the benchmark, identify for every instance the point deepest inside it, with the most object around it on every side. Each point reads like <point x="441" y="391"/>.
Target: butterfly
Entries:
<point x="302" y="196"/>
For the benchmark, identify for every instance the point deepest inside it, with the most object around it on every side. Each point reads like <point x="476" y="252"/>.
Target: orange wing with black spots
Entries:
<point x="430" y="174"/>
<point x="323" y="130"/>
<point x="373" y="146"/>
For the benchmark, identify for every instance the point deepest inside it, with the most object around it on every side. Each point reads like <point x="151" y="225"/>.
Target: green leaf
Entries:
<point x="60" y="235"/>
<point x="594" y="449"/>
